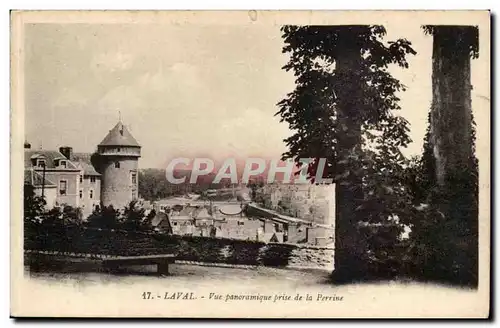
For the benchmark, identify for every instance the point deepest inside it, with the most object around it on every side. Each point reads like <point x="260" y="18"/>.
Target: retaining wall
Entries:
<point x="188" y="248"/>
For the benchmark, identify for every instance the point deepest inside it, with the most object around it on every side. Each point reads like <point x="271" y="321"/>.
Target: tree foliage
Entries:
<point x="131" y="218"/>
<point x="135" y="219"/>
<point x="461" y="37"/>
<point x="312" y="109"/>
<point x="106" y="217"/>
<point x="34" y="205"/>
<point x="344" y="109"/>
<point x="435" y="237"/>
<point x="34" y="208"/>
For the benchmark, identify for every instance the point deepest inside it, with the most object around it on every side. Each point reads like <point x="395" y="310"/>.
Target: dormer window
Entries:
<point x="40" y="163"/>
<point x="63" y="163"/>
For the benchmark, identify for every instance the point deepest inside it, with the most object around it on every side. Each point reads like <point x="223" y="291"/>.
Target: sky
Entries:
<point x="182" y="90"/>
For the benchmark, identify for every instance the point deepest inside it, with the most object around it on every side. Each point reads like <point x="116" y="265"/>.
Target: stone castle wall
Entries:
<point x="314" y="203"/>
<point x="117" y="188"/>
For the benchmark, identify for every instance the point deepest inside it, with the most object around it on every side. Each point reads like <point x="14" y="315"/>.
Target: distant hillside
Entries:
<point x="153" y="184"/>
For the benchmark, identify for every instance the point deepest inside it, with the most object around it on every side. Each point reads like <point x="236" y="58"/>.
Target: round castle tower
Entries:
<point x="119" y="156"/>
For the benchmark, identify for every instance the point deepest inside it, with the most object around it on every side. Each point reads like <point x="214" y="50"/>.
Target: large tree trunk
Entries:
<point x="451" y="107"/>
<point x="350" y="250"/>
<point x="452" y="142"/>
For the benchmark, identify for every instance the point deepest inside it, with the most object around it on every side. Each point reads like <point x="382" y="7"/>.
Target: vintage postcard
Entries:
<point x="250" y="164"/>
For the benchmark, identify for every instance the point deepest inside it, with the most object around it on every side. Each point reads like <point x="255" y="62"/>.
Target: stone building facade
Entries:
<point x="311" y="202"/>
<point x="75" y="179"/>
<point x="46" y="170"/>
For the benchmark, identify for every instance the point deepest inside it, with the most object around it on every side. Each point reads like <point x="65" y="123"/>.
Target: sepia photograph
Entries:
<point x="250" y="164"/>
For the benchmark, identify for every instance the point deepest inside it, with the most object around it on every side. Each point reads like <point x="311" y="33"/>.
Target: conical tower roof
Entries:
<point x="119" y="136"/>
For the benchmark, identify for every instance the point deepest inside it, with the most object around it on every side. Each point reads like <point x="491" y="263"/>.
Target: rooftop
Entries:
<point x="119" y="136"/>
<point x="36" y="179"/>
<point x="83" y="161"/>
<point x="49" y="155"/>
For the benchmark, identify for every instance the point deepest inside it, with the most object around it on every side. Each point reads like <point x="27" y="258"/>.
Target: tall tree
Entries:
<point x="342" y="106"/>
<point x="34" y="206"/>
<point x="34" y="209"/>
<point x="451" y="138"/>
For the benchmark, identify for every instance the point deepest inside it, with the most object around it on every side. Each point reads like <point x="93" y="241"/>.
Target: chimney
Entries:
<point x="27" y="145"/>
<point x="67" y="152"/>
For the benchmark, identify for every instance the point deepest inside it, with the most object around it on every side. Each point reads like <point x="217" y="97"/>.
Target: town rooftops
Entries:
<point x="277" y="216"/>
<point x="162" y="222"/>
<point x="203" y="214"/>
<point x="119" y="136"/>
<point x="188" y="211"/>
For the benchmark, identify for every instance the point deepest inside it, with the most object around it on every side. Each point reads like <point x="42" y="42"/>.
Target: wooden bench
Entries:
<point x="161" y="261"/>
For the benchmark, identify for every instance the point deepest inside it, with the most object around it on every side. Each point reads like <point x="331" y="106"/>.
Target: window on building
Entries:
<point x="81" y="194"/>
<point x="117" y="165"/>
<point x="63" y="184"/>
<point x="91" y="194"/>
<point x="40" y="162"/>
<point x="92" y="179"/>
<point x="134" y="178"/>
<point x="241" y="223"/>
<point x="118" y="149"/>
<point x="81" y="178"/>
<point x="62" y="163"/>
<point x="175" y="223"/>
